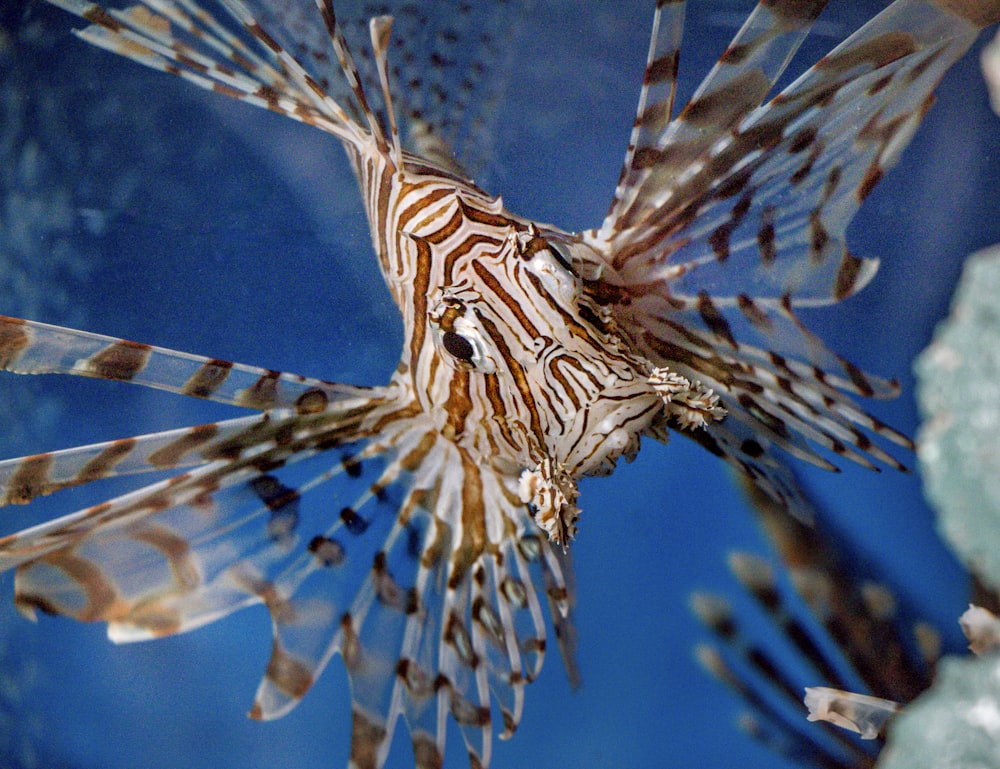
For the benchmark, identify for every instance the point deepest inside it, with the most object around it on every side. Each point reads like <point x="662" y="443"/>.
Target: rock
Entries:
<point x="959" y="396"/>
<point x="955" y="725"/>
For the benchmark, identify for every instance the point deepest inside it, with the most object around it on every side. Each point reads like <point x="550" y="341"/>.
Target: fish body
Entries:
<point x="532" y="357"/>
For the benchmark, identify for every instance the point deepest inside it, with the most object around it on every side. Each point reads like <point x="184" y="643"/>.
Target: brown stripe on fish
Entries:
<point x="121" y="360"/>
<point x="208" y="378"/>
<point x="105" y="462"/>
<point x="15" y="338"/>
<point x="30" y="479"/>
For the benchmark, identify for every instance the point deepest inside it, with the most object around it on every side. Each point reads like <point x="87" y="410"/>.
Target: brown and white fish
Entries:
<point x="532" y="357"/>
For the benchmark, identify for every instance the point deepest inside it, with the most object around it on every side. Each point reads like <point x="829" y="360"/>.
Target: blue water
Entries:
<point x="237" y="234"/>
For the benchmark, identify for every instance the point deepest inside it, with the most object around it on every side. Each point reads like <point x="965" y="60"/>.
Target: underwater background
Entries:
<point x="133" y="204"/>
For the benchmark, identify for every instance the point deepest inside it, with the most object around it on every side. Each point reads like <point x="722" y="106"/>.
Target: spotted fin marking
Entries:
<point x="450" y="66"/>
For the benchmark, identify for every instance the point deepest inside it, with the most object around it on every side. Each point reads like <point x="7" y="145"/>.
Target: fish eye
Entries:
<point x="458" y="346"/>
<point x="461" y="339"/>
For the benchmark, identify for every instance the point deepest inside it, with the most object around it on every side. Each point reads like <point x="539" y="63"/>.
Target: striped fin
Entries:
<point x="762" y="209"/>
<point x="736" y="226"/>
<point x="206" y="528"/>
<point x="26" y="478"/>
<point x="29" y="347"/>
<point x="870" y="646"/>
<point x="181" y="38"/>
<point x="220" y="453"/>
<point x="266" y="441"/>
<point x="432" y="605"/>
<point x="867" y="620"/>
<point x="295" y="60"/>
<point x="656" y="98"/>
<point x="380" y="29"/>
<point x="439" y="624"/>
<point x="789" y="402"/>
<point x="293" y="57"/>
<point x="297" y="27"/>
<point x="737" y="85"/>
<point x="755" y="674"/>
<point x="771" y="724"/>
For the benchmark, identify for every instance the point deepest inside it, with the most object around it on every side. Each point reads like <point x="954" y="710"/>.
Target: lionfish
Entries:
<point x="532" y="357"/>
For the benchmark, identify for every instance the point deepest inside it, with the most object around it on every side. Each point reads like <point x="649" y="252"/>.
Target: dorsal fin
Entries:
<point x="380" y="27"/>
<point x="656" y="97"/>
<point x="350" y="70"/>
<point x="449" y="65"/>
